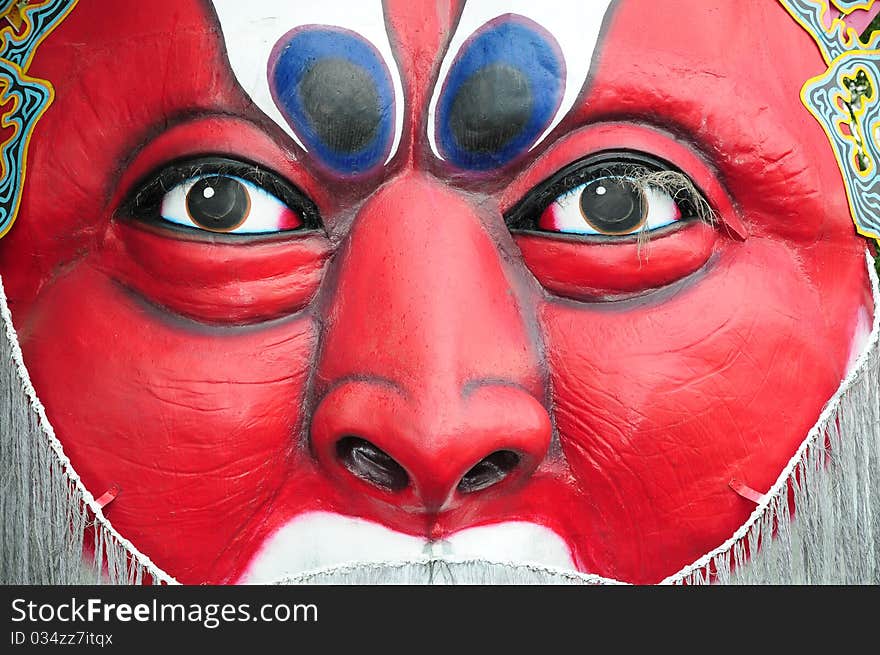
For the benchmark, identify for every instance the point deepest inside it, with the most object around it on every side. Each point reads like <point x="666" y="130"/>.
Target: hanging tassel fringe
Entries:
<point x="45" y="511"/>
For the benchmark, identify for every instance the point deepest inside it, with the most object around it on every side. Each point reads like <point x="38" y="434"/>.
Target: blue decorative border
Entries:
<point x="29" y="97"/>
<point x="847" y="95"/>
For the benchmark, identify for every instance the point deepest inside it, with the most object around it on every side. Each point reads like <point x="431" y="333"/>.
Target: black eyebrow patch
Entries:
<point x="336" y="93"/>
<point x="342" y="103"/>
<point x="490" y="109"/>
<point x="501" y="92"/>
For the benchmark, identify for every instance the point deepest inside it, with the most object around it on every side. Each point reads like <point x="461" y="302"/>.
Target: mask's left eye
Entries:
<point x="221" y="196"/>
<point x="610" y="205"/>
<point x="612" y="195"/>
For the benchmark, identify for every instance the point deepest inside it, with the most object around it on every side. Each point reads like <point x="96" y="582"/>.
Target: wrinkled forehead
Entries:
<point x="472" y="69"/>
<point x="416" y="36"/>
<point x="512" y="70"/>
<point x="489" y="79"/>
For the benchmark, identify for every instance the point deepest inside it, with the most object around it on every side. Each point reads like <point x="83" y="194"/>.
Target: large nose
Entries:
<point x="429" y="384"/>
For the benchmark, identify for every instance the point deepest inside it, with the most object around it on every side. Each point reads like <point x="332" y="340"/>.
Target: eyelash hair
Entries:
<point x="681" y="190"/>
<point x="678" y="185"/>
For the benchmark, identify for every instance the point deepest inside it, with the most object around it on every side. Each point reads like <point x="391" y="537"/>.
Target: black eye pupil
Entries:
<point x="218" y="203"/>
<point x="613" y="205"/>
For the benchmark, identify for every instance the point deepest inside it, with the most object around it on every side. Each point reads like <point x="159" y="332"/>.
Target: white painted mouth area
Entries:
<point x="318" y="541"/>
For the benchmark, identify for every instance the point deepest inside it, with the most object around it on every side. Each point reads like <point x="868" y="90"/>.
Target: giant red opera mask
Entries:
<point x="523" y="282"/>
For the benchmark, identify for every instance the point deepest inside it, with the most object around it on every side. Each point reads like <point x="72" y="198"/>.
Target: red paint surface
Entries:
<point x="210" y="380"/>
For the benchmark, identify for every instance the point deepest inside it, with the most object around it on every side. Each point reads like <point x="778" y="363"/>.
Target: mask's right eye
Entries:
<point x="222" y="196"/>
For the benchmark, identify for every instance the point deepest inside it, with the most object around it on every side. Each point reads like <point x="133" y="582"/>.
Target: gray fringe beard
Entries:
<point x="833" y="480"/>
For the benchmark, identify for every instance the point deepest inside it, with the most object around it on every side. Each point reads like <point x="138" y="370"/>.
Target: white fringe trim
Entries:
<point x="445" y="572"/>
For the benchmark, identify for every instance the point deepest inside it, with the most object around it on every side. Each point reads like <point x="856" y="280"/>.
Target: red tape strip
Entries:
<point x="108" y="496"/>
<point x="746" y="491"/>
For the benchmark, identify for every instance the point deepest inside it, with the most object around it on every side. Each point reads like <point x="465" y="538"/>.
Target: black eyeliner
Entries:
<point x="145" y="201"/>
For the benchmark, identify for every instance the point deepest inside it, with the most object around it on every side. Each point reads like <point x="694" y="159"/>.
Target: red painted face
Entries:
<point x="425" y="326"/>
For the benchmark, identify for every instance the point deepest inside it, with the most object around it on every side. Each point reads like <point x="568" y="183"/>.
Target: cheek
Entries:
<point x="196" y="424"/>
<point x="659" y="406"/>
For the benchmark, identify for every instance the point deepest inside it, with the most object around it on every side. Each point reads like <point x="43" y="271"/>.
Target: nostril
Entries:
<point x="372" y="464"/>
<point x="489" y="471"/>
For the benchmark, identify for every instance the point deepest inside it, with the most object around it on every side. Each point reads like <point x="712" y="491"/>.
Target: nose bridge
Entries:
<point x="422" y="298"/>
<point x="428" y="383"/>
